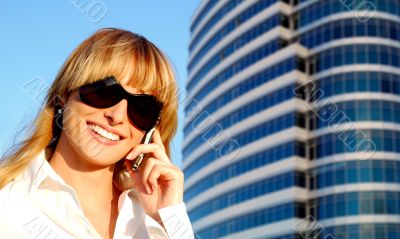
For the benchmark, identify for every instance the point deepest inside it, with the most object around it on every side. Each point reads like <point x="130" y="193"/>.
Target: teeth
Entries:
<point x="104" y="133"/>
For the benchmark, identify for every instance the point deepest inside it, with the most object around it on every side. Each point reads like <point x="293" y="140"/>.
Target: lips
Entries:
<point x="102" y="132"/>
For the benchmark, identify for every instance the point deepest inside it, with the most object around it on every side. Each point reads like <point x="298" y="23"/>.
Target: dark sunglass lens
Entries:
<point x="100" y="95"/>
<point x="144" y="111"/>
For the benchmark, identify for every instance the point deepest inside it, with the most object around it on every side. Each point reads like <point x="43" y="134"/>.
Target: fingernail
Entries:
<point x="130" y="155"/>
<point x="148" y="189"/>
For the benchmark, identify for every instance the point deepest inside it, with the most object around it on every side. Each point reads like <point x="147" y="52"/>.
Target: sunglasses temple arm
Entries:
<point x="145" y="140"/>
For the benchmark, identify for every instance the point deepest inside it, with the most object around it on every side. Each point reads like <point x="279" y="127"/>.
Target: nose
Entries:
<point x="118" y="113"/>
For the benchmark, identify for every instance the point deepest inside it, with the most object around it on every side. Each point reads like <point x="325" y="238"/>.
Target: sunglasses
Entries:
<point x="144" y="110"/>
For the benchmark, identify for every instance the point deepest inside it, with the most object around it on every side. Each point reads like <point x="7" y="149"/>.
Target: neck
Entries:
<point x="92" y="183"/>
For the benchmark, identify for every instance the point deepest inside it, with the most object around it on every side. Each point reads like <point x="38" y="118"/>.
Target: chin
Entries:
<point x="102" y="156"/>
<point x="96" y="153"/>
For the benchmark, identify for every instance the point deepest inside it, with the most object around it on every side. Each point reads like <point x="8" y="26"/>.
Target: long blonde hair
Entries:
<point x="109" y="51"/>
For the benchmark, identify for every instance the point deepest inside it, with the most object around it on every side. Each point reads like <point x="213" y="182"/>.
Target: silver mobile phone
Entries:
<point x="145" y="140"/>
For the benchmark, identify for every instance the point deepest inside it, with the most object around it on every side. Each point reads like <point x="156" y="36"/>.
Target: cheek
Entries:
<point x="74" y="122"/>
<point x="74" y="116"/>
<point x="74" y="126"/>
<point x="136" y="136"/>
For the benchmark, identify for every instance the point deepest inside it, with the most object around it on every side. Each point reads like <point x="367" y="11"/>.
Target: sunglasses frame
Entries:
<point x="110" y="81"/>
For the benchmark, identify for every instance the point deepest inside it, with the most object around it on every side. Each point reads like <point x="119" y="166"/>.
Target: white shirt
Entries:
<point x="39" y="204"/>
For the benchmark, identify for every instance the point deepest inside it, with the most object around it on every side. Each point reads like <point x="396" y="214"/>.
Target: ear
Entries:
<point x="60" y="101"/>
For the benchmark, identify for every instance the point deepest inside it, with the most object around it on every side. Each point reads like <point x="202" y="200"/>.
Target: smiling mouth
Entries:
<point x="103" y="133"/>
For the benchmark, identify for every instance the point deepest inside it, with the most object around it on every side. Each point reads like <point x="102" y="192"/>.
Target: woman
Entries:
<point x="72" y="177"/>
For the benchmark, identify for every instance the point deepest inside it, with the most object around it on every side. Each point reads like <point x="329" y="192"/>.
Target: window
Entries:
<point x="377" y="174"/>
<point x="360" y="28"/>
<point x="372" y="27"/>
<point x="365" y="174"/>
<point x="365" y="206"/>
<point x="348" y="28"/>
<point x="337" y="30"/>
<point x="349" y="57"/>
<point x="385" y="85"/>
<point x="339" y="177"/>
<point x="361" y="55"/>
<point x="351" y="175"/>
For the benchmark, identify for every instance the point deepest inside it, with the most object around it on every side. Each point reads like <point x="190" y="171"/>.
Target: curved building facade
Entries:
<point x="292" y="119"/>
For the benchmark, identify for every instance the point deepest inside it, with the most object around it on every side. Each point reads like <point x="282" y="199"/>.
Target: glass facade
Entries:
<point x="250" y="83"/>
<point x="362" y="110"/>
<point x="351" y="141"/>
<point x="361" y="81"/>
<point x="259" y="131"/>
<point x="321" y="9"/>
<point x="232" y="24"/>
<point x="355" y="203"/>
<point x="241" y="64"/>
<point x="265" y="50"/>
<point x="254" y="219"/>
<point x="351" y="27"/>
<point x="238" y="42"/>
<point x="247" y="192"/>
<point x="354" y="171"/>
<point x="269" y="156"/>
<point x="246" y="111"/>
<point x="348" y="106"/>
<point x="373" y="54"/>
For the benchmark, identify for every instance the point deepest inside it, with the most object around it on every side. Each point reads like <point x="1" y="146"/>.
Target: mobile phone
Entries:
<point x="145" y="140"/>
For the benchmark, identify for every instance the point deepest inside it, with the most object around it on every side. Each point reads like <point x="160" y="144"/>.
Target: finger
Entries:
<point x="153" y="176"/>
<point x="167" y="172"/>
<point x="145" y="172"/>
<point x="152" y="148"/>
<point x="157" y="139"/>
<point x="130" y="154"/>
<point x="138" y="184"/>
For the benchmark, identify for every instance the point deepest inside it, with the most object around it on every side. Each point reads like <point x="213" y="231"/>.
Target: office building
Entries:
<point x="292" y="115"/>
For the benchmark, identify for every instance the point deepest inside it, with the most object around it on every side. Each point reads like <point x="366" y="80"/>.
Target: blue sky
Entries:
<point x="37" y="37"/>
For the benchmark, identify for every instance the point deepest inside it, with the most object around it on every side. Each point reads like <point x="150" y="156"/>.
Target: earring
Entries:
<point x="58" y="117"/>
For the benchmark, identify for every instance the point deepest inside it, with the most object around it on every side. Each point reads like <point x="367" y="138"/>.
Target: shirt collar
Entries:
<point x="40" y="174"/>
<point x="40" y="170"/>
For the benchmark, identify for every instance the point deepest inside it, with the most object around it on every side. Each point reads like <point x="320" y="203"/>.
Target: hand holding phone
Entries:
<point x="122" y="180"/>
<point x="145" y="140"/>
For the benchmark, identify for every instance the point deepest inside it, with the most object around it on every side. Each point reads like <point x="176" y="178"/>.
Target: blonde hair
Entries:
<point x="108" y="52"/>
